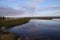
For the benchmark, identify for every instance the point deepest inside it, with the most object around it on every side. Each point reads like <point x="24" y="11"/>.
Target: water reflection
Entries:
<point x="39" y="30"/>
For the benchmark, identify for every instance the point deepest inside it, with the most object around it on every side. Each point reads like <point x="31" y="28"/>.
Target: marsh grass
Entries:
<point x="13" y="22"/>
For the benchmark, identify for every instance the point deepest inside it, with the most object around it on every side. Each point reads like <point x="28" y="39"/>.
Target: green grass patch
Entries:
<point x="13" y="22"/>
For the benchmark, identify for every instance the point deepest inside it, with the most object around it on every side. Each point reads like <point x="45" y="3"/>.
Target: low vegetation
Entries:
<point x="14" y="22"/>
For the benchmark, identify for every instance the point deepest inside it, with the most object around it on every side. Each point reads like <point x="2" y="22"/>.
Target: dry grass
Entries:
<point x="9" y="36"/>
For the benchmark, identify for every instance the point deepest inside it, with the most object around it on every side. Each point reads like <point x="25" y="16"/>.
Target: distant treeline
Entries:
<point x="2" y="17"/>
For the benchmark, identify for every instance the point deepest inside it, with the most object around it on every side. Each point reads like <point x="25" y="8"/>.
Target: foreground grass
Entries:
<point x="13" y="22"/>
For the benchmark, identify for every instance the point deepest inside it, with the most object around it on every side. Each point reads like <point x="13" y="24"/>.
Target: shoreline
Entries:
<point x="13" y="22"/>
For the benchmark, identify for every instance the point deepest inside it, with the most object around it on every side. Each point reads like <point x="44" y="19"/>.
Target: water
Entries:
<point x="39" y="29"/>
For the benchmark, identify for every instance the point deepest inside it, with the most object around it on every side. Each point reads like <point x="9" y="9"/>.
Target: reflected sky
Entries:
<point x="38" y="28"/>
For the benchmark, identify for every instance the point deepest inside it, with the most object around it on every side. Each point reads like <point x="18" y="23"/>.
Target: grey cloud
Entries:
<point x="49" y="8"/>
<point x="6" y="11"/>
<point x="31" y="9"/>
<point x="27" y="9"/>
<point x="55" y="14"/>
<point x="35" y="0"/>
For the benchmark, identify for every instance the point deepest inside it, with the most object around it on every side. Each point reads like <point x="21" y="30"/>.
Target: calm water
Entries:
<point x="39" y="29"/>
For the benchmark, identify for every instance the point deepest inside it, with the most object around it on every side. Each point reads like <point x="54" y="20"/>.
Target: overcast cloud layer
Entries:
<point x="20" y="8"/>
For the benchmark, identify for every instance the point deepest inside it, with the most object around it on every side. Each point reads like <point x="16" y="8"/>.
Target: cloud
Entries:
<point x="9" y="0"/>
<point x="56" y="13"/>
<point x="6" y="11"/>
<point x="34" y="0"/>
<point x="33" y="10"/>
<point x="25" y="8"/>
<point x="6" y="0"/>
<point x="33" y="5"/>
<point x="54" y="7"/>
<point x="28" y="9"/>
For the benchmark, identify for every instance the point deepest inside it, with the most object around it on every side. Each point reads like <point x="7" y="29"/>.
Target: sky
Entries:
<point x="29" y="8"/>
